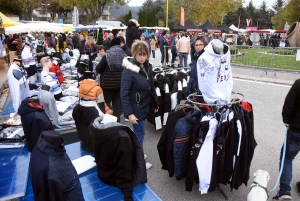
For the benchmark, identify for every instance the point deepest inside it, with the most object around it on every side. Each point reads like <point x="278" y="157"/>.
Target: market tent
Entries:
<point x="224" y="28"/>
<point x="7" y="22"/>
<point x="34" y="27"/>
<point x="188" y="26"/>
<point x="208" y="26"/>
<point x="234" y="28"/>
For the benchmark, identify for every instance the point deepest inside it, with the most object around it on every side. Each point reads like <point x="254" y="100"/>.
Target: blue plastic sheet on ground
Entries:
<point x="8" y="109"/>
<point x="93" y="188"/>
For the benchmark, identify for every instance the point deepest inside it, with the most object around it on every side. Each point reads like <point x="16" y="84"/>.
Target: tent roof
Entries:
<point x="188" y="26"/>
<point x="7" y="22"/>
<point x="207" y="25"/>
<point x="225" y="28"/>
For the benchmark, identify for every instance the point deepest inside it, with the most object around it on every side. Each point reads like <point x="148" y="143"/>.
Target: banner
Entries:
<point x="181" y="16"/>
<point x="252" y="28"/>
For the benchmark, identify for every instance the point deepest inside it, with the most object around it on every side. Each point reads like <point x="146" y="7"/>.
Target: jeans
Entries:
<point x="139" y="130"/>
<point x="183" y="56"/>
<point x="292" y="149"/>
<point x="153" y="53"/>
<point x="163" y="56"/>
<point x="113" y="97"/>
<point x="174" y="55"/>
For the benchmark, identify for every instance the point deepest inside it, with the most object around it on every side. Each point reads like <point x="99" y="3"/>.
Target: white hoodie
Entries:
<point x="214" y="75"/>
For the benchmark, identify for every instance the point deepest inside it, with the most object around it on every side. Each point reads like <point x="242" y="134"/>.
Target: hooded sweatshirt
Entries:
<point x="34" y="121"/>
<point x="18" y="85"/>
<point x="118" y="155"/>
<point x="214" y="75"/>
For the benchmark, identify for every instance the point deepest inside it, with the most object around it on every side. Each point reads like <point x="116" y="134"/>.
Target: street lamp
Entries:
<point x="46" y="5"/>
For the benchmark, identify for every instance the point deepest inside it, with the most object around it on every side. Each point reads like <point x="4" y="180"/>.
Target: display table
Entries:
<point x="14" y="170"/>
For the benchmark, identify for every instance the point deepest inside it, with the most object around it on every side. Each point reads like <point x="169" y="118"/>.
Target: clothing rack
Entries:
<point x="216" y="104"/>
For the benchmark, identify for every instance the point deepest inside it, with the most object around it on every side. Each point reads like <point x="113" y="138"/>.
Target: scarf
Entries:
<point x="114" y="57"/>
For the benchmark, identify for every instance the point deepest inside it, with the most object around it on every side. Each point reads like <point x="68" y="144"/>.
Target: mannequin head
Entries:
<point x="46" y="63"/>
<point x="217" y="46"/>
<point x="52" y="137"/>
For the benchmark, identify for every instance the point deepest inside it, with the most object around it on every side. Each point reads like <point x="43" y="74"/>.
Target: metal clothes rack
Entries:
<point x="242" y="98"/>
<point x="216" y="104"/>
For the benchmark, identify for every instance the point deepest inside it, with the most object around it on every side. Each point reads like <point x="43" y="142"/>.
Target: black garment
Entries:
<point x="110" y="80"/>
<point x="75" y="41"/>
<point x="81" y="47"/>
<point x="291" y="109"/>
<point x="118" y="155"/>
<point x="164" y="51"/>
<point x="107" y="43"/>
<point x="10" y="45"/>
<point x="197" y="139"/>
<point x="165" y="143"/>
<point x="127" y="50"/>
<point x="83" y="117"/>
<point x="132" y="34"/>
<point x="112" y="97"/>
<point x="54" y="177"/>
<point x="60" y="44"/>
<point x="34" y="121"/>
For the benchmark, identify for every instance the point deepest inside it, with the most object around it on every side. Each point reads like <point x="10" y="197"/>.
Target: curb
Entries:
<point x="263" y="79"/>
<point x="266" y="68"/>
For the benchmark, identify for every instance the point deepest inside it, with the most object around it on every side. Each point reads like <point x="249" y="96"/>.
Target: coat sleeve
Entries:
<point x="155" y="101"/>
<point x="101" y="65"/>
<point x="126" y="87"/>
<point x="290" y="103"/>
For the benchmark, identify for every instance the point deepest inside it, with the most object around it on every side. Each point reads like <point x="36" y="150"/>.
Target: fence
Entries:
<point x="268" y="57"/>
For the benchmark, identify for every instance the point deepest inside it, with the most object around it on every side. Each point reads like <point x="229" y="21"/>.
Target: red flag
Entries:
<point x="182" y="16"/>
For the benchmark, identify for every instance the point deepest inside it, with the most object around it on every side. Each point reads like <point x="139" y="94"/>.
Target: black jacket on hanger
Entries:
<point x="34" y="122"/>
<point x="54" y="177"/>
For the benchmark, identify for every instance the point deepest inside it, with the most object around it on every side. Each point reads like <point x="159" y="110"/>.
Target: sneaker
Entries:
<point x="126" y="120"/>
<point x="148" y="165"/>
<point x="298" y="185"/>
<point x="283" y="196"/>
<point x="145" y="156"/>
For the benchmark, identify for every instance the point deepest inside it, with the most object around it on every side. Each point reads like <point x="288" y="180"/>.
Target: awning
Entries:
<point x="7" y="22"/>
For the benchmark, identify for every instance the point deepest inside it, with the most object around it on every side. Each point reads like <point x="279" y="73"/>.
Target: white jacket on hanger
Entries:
<point x="18" y="85"/>
<point x="214" y="75"/>
<point x="205" y="158"/>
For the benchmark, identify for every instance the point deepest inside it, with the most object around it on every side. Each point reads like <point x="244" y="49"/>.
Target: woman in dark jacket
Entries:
<point x="197" y="50"/>
<point x="132" y="32"/>
<point x="110" y="68"/>
<point x="137" y="89"/>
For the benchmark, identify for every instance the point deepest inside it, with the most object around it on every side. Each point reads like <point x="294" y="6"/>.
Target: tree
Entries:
<point x="199" y="11"/>
<point x="93" y="8"/>
<point x="23" y="8"/>
<point x="278" y="20"/>
<point x="291" y="11"/>
<point x="160" y="12"/>
<point x="278" y="4"/>
<point x="263" y="17"/>
<point x="129" y="15"/>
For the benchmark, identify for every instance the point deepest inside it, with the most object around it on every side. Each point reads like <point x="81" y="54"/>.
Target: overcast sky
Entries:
<point x="256" y="3"/>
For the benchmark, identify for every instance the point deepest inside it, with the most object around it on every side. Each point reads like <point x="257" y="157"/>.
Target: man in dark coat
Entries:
<point x="291" y="119"/>
<point x="132" y="32"/>
<point x="107" y="41"/>
<point x="81" y="44"/>
<point x="163" y="41"/>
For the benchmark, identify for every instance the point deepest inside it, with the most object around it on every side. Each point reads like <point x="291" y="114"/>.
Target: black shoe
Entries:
<point x="298" y="185"/>
<point x="283" y="196"/>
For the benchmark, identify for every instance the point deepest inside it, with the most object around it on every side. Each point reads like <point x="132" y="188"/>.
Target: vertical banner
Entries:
<point x="182" y="16"/>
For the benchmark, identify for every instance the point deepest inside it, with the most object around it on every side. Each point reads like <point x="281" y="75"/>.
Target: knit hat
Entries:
<point x="115" y="41"/>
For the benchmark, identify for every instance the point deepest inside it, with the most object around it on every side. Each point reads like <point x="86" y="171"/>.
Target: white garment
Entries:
<point x="214" y="75"/>
<point x="205" y="158"/>
<point x="85" y="103"/>
<point x="51" y="80"/>
<point x="18" y="85"/>
<point x="173" y="100"/>
<point x="27" y="57"/>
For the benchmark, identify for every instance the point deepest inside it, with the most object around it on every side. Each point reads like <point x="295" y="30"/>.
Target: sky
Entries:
<point x="256" y="3"/>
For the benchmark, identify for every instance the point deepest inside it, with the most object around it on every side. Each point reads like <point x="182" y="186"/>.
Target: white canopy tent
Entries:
<point x="34" y="27"/>
<point x="234" y="28"/>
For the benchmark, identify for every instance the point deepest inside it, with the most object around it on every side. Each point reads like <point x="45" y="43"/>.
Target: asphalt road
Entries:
<point x="267" y="101"/>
